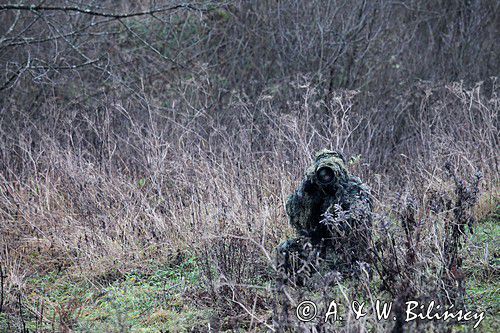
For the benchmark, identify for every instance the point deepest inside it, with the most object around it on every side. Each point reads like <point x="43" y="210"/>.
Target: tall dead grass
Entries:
<point x="119" y="191"/>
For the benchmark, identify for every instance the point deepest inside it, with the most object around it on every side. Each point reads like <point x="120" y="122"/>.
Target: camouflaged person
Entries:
<point x="331" y="211"/>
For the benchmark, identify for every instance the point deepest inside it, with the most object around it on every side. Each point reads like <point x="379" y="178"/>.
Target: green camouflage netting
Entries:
<point x="331" y="211"/>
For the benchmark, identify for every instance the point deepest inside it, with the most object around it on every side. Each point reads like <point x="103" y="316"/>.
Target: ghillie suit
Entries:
<point x="331" y="211"/>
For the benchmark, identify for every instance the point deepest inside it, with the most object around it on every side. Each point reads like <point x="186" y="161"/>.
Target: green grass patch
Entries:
<point x="482" y="268"/>
<point x="136" y="302"/>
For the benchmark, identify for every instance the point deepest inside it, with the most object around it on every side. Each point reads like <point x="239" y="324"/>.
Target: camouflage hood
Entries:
<point x="334" y="166"/>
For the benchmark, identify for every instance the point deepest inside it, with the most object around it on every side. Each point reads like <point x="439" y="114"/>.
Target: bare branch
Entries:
<point x="96" y="13"/>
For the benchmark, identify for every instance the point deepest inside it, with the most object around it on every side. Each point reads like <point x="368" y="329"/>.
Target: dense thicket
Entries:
<point x="65" y="69"/>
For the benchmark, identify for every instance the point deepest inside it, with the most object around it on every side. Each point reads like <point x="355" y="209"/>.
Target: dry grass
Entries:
<point x="216" y="188"/>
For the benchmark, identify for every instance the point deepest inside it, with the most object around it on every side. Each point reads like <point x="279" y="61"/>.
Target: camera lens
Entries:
<point x="325" y="175"/>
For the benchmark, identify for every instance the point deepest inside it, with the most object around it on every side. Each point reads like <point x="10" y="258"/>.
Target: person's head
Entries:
<point x="329" y="167"/>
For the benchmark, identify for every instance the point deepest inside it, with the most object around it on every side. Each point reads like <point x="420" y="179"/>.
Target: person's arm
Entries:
<point x="302" y="206"/>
